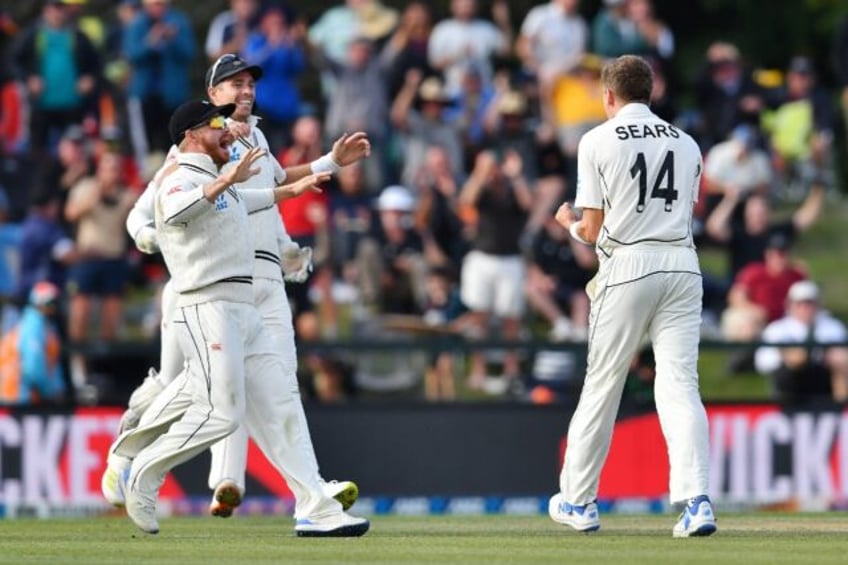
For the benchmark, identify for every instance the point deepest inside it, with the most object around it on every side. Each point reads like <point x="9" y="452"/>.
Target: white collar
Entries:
<point x="199" y="160"/>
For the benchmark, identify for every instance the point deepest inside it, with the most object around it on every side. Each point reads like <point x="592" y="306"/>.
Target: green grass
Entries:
<point x="750" y="539"/>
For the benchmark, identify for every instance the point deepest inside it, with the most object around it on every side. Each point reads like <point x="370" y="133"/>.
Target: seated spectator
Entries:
<point x="747" y="235"/>
<point x="558" y="272"/>
<point x="801" y="131"/>
<point x="229" y="29"/>
<point x="422" y="126"/>
<point x="391" y="266"/>
<point x="276" y="46"/>
<point x="758" y="294"/>
<point x="493" y="272"/>
<point x="30" y="367"/>
<point x="551" y="43"/>
<point x="812" y="369"/>
<point x="726" y="95"/>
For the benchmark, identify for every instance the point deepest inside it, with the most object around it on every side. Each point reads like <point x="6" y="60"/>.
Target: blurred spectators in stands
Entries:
<point x="493" y="272"/>
<point x="443" y="310"/>
<point x="801" y="132"/>
<point x="840" y="59"/>
<point x="656" y="35"/>
<point x="551" y="43"/>
<point x="229" y="29"/>
<point x="747" y="232"/>
<point x="391" y="268"/>
<point x="557" y="274"/>
<point x="614" y="33"/>
<point x="276" y="46"/>
<point x="72" y="164"/>
<point x="469" y="110"/>
<point x="407" y="47"/>
<point x="422" y="126"/>
<point x="577" y="107"/>
<point x="116" y="71"/>
<point x="437" y="184"/>
<point x="725" y="95"/>
<point x="352" y="219"/>
<point x="45" y="248"/>
<point x="465" y="39"/>
<point x="30" y="353"/>
<point x="306" y="222"/>
<point x="359" y="101"/>
<point x="812" y="369"/>
<point x="663" y="99"/>
<point x="97" y="207"/>
<point x="758" y="294"/>
<point x="10" y="235"/>
<point x="160" y="46"/>
<point x="60" y="68"/>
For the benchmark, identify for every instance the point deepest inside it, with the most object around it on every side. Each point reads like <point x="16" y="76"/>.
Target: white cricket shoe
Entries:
<point x="345" y="492"/>
<point x="228" y="496"/>
<point x="697" y="519"/>
<point x="142" y="511"/>
<point x="338" y="525"/>
<point x="583" y="518"/>
<point x="113" y="482"/>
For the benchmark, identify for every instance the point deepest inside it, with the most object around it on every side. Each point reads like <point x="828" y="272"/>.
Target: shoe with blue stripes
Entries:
<point x="113" y="482"/>
<point x="697" y="519"/>
<point x="341" y="525"/>
<point x="583" y="518"/>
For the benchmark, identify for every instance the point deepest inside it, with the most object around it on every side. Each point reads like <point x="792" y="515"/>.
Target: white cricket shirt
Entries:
<point x="643" y="173"/>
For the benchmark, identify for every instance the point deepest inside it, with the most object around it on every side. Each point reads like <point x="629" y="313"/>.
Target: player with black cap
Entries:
<point x="231" y="80"/>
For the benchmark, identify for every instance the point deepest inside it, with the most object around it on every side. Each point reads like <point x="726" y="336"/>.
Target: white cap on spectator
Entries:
<point x="803" y="291"/>
<point x="396" y="197"/>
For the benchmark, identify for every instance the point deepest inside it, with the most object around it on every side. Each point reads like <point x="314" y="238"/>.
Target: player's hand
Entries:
<point x="243" y="168"/>
<point x="296" y="262"/>
<point x="146" y="240"/>
<point x="351" y="148"/>
<point x="238" y="129"/>
<point x="566" y="215"/>
<point x="512" y="164"/>
<point x="309" y="183"/>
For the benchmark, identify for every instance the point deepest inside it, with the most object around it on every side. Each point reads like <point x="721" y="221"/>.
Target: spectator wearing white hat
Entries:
<point x="818" y="366"/>
<point x="391" y="265"/>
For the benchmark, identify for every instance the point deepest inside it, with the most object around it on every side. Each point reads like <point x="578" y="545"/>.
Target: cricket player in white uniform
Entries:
<point x="637" y="185"/>
<point x="231" y="79"/>
<point x="232" y="361"/>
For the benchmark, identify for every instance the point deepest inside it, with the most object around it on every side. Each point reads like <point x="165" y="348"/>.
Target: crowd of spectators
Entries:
<point x="474" y="121"/>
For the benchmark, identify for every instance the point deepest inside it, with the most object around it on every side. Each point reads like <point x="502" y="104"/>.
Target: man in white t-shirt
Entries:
<point x="810" y="370"/>
<point x="637" y="185"/>
<point x="463" y="40"/>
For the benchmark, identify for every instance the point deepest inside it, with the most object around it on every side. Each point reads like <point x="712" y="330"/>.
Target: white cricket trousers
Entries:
<point x="652" y="292"/>
<point x="299" y="465"/>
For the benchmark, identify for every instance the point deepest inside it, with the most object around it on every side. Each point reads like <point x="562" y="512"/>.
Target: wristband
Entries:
<point x="573" y="231"/>
<point x="324" y="164"/>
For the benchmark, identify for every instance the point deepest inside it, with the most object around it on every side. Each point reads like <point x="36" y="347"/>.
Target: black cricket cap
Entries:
<point x="228" y="65"/>
<point x="194" y="113"/>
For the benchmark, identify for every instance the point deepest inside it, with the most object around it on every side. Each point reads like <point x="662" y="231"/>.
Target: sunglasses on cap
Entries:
<point x="215" y="122"/>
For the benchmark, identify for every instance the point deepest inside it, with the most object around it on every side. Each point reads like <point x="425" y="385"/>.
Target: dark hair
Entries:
<point x="629" y="77"/>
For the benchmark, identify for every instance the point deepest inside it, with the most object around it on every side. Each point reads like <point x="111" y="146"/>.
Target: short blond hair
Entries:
<point x="629" y="77"/>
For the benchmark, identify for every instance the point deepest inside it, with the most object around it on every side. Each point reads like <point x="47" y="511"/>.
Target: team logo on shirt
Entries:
<point x="221" y="203"/>
<point x="234" y="153"/>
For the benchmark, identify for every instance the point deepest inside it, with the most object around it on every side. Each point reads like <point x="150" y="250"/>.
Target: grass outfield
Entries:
<point x="749" y="539"/>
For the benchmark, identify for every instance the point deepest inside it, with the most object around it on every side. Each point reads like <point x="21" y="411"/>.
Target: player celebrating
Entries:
<point x="637" y="185"/>
<point x="230" y="79"/>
